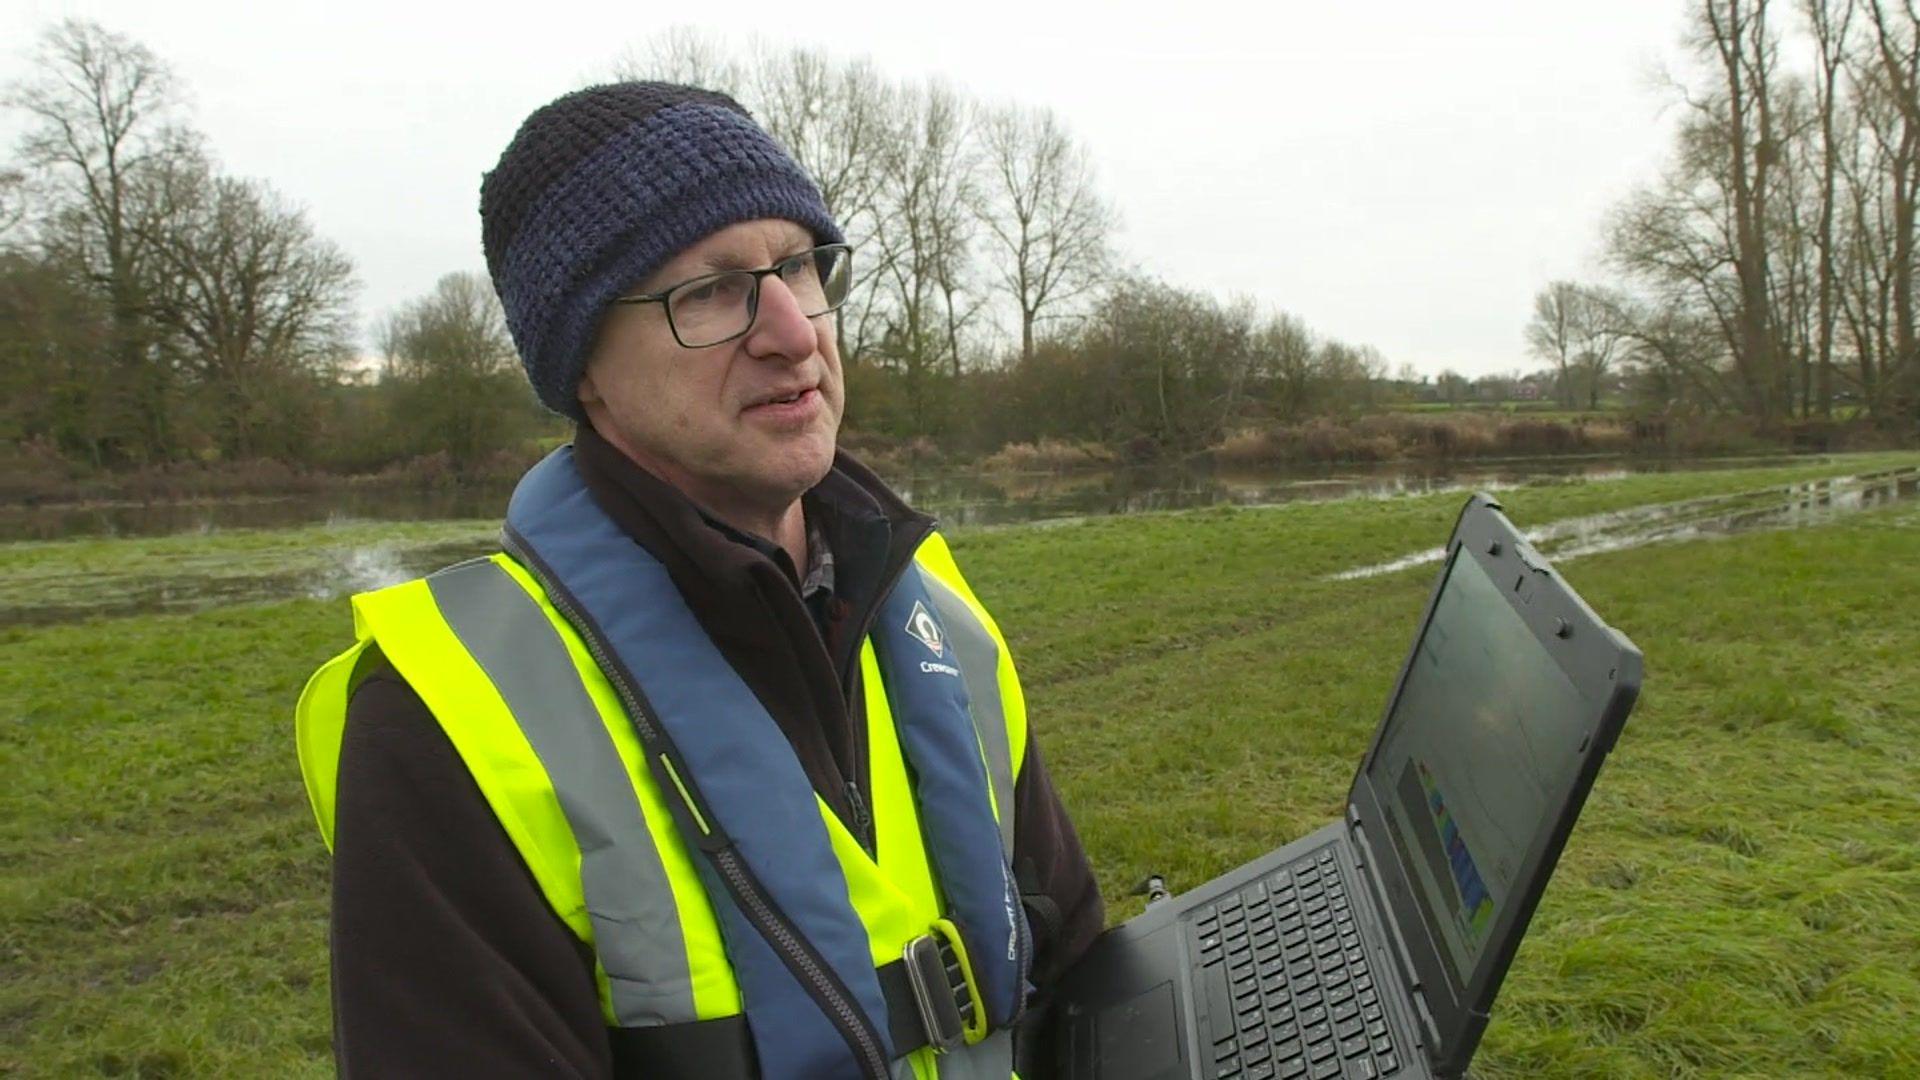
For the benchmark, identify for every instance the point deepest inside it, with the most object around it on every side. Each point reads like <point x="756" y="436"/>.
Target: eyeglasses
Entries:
<point x="716" y="308"/>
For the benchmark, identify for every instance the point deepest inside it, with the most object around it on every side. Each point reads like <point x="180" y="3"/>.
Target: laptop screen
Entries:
<point x="1476" y="758"/>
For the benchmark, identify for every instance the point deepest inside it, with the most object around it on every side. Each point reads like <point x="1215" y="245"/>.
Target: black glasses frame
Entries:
<point x="665" y="297"/>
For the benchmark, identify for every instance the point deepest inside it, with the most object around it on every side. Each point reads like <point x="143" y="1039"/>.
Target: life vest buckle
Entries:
<point x="944" y="989"/>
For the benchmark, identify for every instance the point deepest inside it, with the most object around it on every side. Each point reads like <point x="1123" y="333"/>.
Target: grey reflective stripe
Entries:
<point x="979" y="657"/>
<point x="989" y="1059"/>
<point x="636" y="927"/>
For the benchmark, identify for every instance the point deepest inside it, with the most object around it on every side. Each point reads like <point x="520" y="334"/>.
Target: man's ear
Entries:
<point x="587" y="392"/>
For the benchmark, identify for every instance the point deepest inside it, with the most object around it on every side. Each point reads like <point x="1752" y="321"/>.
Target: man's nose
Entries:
<point x="781" y="329"/>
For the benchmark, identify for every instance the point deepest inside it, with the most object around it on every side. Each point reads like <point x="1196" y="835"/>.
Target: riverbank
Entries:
<point x="217" y="565"/>
<point x="1739" y="892"/>
<point x="1429" y="437"/>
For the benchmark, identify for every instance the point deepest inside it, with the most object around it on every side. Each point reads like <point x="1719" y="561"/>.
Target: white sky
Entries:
<point x="1400" y="173"/>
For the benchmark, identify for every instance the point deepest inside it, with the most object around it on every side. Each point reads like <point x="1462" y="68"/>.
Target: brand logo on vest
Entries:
<point x="921" y="625"/>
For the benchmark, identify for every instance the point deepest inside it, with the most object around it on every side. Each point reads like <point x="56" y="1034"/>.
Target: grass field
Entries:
<point x="1742" y="897"/>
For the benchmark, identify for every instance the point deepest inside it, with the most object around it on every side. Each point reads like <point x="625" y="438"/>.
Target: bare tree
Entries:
<point x="1050" y="225"/>
<point x="103" y="115"/>
<point x="1553" y="334"/>
<point x="1286" y="369"/>
<point x="682" y="54"/>
<point x="1579" y="329"/>
<point x="922" y="238"/>
<point x="253" y="303"/>
<point x="1896" y="42"/>
<point x="1830" y="29"/>
<point x="13" y="207"/>
<point x="1737" y="36"/>
<point x="452" y="367"/>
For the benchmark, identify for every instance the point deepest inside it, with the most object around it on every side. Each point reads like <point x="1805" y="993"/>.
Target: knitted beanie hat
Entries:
<point x="601" y="188"/>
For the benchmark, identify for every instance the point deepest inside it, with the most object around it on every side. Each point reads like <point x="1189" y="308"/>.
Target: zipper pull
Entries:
<point x="862" y="821"/>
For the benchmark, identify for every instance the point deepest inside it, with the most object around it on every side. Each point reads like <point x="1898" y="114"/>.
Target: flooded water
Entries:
<point x="1788" y="506"/>
<point x="324" y="545"/>
<point x="959" y="499"/>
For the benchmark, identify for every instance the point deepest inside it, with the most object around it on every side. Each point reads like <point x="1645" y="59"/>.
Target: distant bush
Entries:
<point x="1049" y="455"/>
<point x="1447" y="436"/>
<point x="891" y="455"/>
<point x="40" y="479"/>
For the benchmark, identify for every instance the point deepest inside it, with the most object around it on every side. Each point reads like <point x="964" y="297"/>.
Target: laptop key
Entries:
<point x="1262" y="1071"/>
<point x="1317" y="1035"/>
<point x="1353" y="1048"/>
<point x="1324" y="1068"/>
<point x="1349" y="1031"/>
<point x="1291" y="1068"/>
<point x="1361" y="1069"/>
<point x="1388" y="1063"/>
<point x="1219" y="1003"/>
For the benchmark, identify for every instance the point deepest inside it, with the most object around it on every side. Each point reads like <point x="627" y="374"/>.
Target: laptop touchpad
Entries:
<point x="1137" y="1039"/>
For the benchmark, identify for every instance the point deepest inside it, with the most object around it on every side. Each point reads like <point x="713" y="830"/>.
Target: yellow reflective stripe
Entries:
<point x="319" y="723"/>
<point x="715" y="992"/>
<point x="937" y="558"/>
<point x="681" y="786"/>
<point x="423" y="649"/>
<point x="894" y="896"/>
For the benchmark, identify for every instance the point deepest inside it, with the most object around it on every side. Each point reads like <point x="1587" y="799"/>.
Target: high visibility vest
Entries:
<point x="665" y="818"/>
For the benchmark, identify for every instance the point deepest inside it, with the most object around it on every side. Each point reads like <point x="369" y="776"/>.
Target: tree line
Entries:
<point x="996" y="307"/>
<point x="1769" y="272"/>
<point x="157" y="309"/>
<point x="154" y="307"/>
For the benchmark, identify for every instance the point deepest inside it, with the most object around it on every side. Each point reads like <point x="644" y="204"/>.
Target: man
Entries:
<point x="719" y="769"/>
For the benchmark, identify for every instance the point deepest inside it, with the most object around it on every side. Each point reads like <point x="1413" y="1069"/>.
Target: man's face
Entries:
<point x="746" y="425"/>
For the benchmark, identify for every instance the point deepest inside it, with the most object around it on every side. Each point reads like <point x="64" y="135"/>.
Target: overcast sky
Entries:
<point x="1405" y="174"/>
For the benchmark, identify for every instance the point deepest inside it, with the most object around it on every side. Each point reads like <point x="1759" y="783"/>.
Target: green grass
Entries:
<point x="1742" y="897"/>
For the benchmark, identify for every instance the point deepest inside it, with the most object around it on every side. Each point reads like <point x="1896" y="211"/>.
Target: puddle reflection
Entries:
<point x="1790" y="506"/>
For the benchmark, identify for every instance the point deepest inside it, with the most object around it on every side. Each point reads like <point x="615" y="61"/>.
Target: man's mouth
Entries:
<point x="785" y="398"/>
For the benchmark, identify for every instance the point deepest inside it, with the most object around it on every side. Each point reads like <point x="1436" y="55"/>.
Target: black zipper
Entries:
<point x="917" y="534"/>
<point x="862" y="819"/>
<point x="809" y="969"/>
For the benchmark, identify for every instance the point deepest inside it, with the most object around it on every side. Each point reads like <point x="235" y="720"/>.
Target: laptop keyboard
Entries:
<point x="1288" y="990"/>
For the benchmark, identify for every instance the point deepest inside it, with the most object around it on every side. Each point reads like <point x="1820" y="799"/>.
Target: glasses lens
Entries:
<point x="836" y="275"/>
<point x="818" y="279"/>
<point x="712" y="309"/>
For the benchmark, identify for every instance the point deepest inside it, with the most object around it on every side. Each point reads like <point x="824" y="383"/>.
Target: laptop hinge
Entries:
<point x="1403" y="959"/>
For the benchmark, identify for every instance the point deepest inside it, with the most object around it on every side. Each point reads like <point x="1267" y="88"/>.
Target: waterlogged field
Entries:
<point x="1742" y="896"/>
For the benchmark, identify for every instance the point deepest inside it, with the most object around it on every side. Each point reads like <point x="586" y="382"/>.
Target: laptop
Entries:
<point x="1374" y="947"/>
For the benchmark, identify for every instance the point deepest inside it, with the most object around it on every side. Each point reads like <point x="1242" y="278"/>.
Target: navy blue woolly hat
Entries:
<point x="602" y="187"/>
